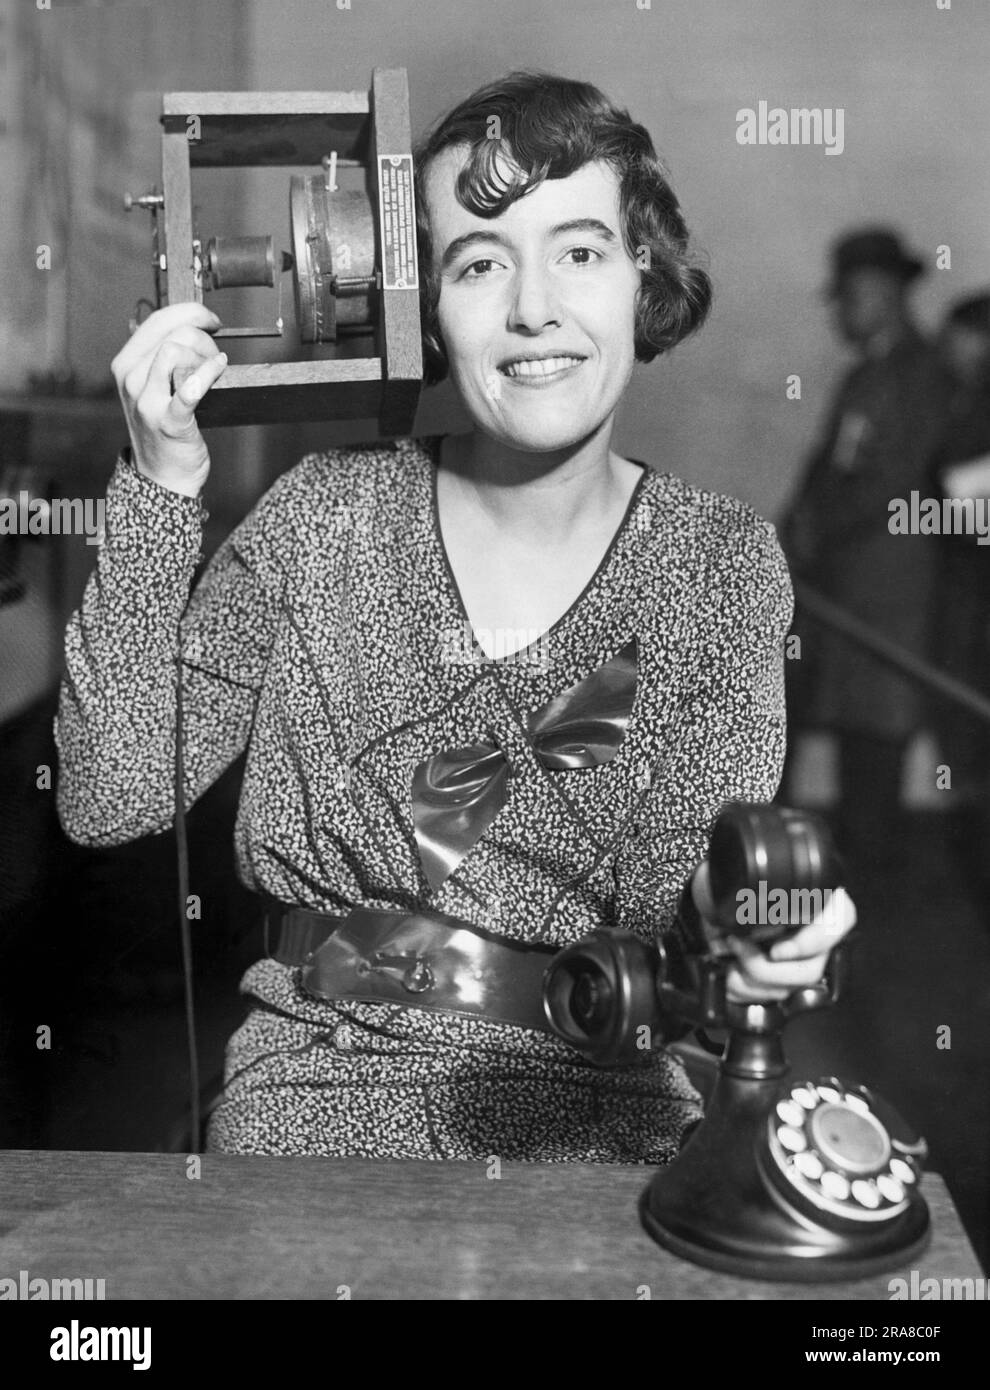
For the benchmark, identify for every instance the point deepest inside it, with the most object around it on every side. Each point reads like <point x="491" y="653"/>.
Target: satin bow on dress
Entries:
<point x="457" y="793"/>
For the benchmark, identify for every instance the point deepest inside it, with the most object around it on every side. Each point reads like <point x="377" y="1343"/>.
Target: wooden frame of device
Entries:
<point x="263" y="129"/>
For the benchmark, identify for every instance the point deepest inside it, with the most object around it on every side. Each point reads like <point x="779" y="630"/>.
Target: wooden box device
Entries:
<point x="203" y="130"/>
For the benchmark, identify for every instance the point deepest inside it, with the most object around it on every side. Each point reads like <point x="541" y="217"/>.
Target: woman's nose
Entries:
<point x="534" y="303"/>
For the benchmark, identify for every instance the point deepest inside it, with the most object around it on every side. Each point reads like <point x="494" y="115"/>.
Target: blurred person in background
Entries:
<point x="880" y="436"/>
<point x="962" y="604"/>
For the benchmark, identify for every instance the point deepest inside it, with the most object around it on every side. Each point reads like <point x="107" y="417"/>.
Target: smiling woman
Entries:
<point x="428" y="830"/>
<point x="542" y="302"/>
<point x="549" y="128"/>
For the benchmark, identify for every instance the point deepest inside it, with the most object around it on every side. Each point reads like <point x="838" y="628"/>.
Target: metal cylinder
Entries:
<point x="333" y="243"/>
<point x="240" y="260"/>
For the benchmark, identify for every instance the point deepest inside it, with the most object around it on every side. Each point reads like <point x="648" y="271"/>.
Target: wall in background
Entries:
<point x="79" y="112"/>
<point x="83" y="86"/>
<point x="910" y="78"/>
<point x="80" y="98"/>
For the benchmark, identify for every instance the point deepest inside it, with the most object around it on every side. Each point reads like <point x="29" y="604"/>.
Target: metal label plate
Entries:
<point x="397" y="222"/>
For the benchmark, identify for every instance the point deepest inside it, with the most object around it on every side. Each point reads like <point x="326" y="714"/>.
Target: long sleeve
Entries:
<point x="117" y="713"/>
<point x="729" y="740"/>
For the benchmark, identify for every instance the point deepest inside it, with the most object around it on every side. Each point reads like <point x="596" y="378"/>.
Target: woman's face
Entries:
<point x="537" y="306"/>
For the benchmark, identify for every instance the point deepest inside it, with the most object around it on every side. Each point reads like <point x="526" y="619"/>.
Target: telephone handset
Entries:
<point x="807" y="1180"/>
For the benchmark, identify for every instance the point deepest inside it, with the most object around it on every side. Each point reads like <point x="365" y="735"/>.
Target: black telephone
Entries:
<point x="782" y="1179"/>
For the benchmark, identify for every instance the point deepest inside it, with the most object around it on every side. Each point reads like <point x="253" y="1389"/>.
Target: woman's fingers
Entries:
<point x="177" y="381"/>
<point x="837" y="918"/>
<point x="794" y="962"/>
<point x="171" y="358"/>
<point x="191" y="390"/>
<point x="186" y="335"/>
<point x="770" y="978"/>
<point x="146" y="339"/>
<point x="762" y="971"/>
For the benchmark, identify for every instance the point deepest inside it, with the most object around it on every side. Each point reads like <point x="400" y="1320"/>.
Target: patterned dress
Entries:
<point x="328" y="636"/>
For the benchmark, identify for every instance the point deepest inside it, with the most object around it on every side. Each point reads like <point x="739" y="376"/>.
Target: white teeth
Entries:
<point x="544" y="366"/>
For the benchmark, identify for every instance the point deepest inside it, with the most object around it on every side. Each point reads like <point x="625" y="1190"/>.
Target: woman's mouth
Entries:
<point x="540" y="371"/>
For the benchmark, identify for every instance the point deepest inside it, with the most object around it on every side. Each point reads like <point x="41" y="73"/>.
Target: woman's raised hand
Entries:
<point x="162" y="373"/>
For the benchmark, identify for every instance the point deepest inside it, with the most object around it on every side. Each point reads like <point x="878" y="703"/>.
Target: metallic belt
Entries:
<point x="422" y="959"/>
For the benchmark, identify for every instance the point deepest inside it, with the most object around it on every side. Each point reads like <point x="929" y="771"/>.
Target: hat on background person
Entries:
<point x="872" y="248"/>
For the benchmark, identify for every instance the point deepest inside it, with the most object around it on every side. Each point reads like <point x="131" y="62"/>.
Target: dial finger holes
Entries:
<point x="791" y="1139"/>
<point x="791" y="1113"/>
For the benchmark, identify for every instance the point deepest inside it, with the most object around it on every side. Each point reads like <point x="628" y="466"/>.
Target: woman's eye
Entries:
<point x="468" y="275"/>
<point x="586" y="254"/>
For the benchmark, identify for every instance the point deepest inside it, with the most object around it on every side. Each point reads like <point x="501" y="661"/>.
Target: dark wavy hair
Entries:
<point x="549" y="127"/>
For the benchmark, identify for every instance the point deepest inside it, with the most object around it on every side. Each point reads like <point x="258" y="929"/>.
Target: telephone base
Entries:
<point x="784" y="1256"/>
<point x="729" y="1202"/>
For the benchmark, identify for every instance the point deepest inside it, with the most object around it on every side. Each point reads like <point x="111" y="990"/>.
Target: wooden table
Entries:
<point x="310" y="1228"/>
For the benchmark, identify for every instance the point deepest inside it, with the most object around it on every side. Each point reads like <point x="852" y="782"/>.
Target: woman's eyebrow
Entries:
<point x="576" y="224"/>
<point x="584" y="224"/>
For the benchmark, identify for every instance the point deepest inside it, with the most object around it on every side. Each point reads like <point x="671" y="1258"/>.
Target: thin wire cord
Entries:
<point x="182" y="864"/>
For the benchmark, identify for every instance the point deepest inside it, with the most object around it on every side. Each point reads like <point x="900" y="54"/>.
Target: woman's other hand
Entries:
<point x="792" y="962"/>
<point x="162" y="373"/>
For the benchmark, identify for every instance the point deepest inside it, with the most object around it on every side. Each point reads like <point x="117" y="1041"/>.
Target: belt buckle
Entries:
<point x="416" y="977"/>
